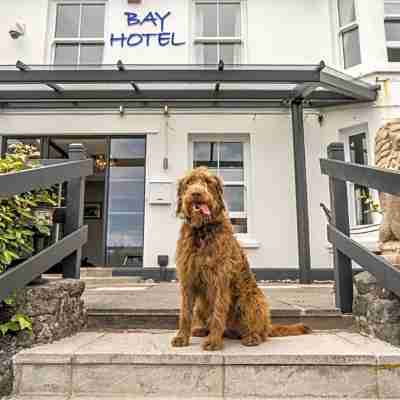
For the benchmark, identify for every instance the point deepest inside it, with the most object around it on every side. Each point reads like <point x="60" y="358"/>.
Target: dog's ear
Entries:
<point x="219" y="185"/>
<point x="179" y="193"/>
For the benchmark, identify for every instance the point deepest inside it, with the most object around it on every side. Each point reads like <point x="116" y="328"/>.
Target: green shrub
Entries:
<point x="18" y="222"/>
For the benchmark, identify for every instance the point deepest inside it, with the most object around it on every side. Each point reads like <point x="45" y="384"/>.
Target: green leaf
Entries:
<point x="23" y="321"/>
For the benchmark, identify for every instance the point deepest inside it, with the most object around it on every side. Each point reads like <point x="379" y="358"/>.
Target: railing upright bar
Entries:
<point x="74" y="213"/>
<point x="340" y="219"/>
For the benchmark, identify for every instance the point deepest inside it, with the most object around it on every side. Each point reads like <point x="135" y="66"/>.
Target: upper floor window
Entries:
<point x="349" y="33"/>
<point x="218" y="34"/>
<point x="392" y="30"/>
<point x="79" y="33"/>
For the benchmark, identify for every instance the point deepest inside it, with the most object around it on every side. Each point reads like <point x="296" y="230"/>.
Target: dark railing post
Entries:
<point x="74" y="213"/>
<point x="340" y="219"/>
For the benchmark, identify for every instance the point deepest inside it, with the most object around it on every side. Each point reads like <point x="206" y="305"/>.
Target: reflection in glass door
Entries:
<point x="126" y="188"/>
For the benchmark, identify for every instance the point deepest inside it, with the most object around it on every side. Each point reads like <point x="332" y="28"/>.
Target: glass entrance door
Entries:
<point x="126" y="189"/>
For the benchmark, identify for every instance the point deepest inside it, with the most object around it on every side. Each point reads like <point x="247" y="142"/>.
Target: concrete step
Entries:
<point x="135" y="364"/>
<point x="168" y="318"/>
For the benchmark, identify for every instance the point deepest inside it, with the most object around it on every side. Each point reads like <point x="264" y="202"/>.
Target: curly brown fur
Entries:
<point x="219" y="294"/>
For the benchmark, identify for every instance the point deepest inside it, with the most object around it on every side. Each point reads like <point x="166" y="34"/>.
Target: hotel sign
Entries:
<point x="163" y="38"/>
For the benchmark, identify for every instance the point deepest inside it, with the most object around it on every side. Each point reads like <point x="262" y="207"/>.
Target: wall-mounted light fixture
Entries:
<point x="17" y="30"/>
<point x="100" y="163"/>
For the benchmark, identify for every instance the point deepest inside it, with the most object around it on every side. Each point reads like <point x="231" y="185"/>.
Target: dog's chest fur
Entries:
<point x="204" y="255"/>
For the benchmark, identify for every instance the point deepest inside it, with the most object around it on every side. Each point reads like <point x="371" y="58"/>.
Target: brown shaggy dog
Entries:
<point x="217" y="285"/>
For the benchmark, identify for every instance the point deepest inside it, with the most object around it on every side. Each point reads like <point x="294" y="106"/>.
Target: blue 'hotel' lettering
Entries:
<point x="161" y="39"/>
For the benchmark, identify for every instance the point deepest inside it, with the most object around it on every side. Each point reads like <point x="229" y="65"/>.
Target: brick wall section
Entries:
<point x="376" y="310"/>
<point x="56" y="310"/>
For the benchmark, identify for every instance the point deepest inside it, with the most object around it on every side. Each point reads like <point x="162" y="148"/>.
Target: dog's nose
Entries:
<point x="196" y="195"/>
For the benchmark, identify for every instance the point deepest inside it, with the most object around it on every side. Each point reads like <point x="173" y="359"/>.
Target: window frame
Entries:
<point x="345" y="135"/>
<point x="391" y="18"/>
<point x="245" y="140"/>
<point x="219" y="40"/>
<point x="54" y="41"/>
<point x="342" y="30"/>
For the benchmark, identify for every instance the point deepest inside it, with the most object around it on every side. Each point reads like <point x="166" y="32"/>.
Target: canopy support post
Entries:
<point x="303" y="229"/>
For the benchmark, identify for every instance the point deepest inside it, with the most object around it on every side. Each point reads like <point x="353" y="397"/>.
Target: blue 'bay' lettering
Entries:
<point x="155" y="18"/>
<point x="161" y="38"/>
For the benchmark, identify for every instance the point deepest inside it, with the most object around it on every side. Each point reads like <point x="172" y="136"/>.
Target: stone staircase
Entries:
<point x="126" y="354"/>
<point x="136" y="365"/>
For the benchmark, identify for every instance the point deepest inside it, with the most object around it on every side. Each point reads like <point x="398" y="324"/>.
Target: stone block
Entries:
<point x="147" y="380"/>
<point x="43" y="379"/>
<point x="389" y="381"/>
<point x="365" y="282"/>
<point x="300" y="381"/>
<point x="387" y="332"/>
<point x="361" y="304"/>
<point x="383" y="311"/>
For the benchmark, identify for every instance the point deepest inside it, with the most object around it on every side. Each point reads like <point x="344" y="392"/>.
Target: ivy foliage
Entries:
<point x="18" y="322"/>
<point x="18" y="221"/>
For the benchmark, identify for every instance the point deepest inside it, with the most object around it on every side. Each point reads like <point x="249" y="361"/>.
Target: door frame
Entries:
<point x="45" y="147"/>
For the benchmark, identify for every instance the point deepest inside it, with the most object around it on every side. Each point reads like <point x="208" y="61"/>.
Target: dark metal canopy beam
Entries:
<point x="23" y="67"/>
<point x="80" y="95"/>
<point x="159" y="104"/>
<point x="353" y="88"/>
<point x="265" y="75"/>
<point x="304" y="90"/>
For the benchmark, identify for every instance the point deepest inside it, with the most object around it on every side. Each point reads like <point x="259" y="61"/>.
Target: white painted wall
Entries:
<point x="285" y="31"/>
<point x="290" y="31"/>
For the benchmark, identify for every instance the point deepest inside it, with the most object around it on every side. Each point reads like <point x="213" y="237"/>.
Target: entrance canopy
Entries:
<point x="188" y="86"/>
<point x="193" y="86"/>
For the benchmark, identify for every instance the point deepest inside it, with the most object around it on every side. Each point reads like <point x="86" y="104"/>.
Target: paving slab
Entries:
<point x="165" y="296"/>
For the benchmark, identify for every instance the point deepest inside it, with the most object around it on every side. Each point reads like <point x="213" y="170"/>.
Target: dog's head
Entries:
<point x="200" y="197"/>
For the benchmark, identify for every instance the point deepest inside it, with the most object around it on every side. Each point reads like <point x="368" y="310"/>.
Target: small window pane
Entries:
<point x="392" y="29"/>
<point x="229" y="19"/>
<point x="206" y="19"/>
<point x="393" y="54"/>
<point x="232" y="174"/>
<point x="128" y="149"/>
<point x="392" y="8"/>
<point x="351" y="48"/>
<point x="91" y="54"/>
<point x="234" y="197"/>
<point x="207" y="54"/>
<point x="205" y="154"/>
<point x="239" y="225"/>
<point x="92" y="20"/>
<point x="67" y="22"/>
<point x="230" y="53"/>
<point x="231" y="155"/>
<point x="347" y="12"/>
<point x="66" y="54"/>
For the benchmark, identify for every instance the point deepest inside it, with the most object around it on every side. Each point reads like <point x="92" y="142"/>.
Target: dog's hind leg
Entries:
<point x="255" y="318"/>
<point x="200" y="317"/>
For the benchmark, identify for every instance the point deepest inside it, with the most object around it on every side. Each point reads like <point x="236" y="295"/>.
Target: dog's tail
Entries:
<point x="289" y="330"/>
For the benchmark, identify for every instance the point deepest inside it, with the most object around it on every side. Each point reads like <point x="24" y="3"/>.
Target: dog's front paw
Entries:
<point x="212" y="344"/>
<point x="200" y="332"/>
<point x="180" y="341"/>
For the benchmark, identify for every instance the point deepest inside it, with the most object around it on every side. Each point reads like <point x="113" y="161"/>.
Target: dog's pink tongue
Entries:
<point x="204" y="209"/>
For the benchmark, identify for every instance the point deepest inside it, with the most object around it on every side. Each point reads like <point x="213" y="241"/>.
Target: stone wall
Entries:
<point x="56" y="310"/>
<point x="376" y="310"/>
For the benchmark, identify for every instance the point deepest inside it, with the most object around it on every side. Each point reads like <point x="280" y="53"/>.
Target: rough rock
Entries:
<point x="55" y="309"/>
<point x="376" y="310"/>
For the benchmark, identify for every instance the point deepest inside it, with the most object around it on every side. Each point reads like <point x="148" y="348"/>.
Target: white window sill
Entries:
<point x="247" y="242"/>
